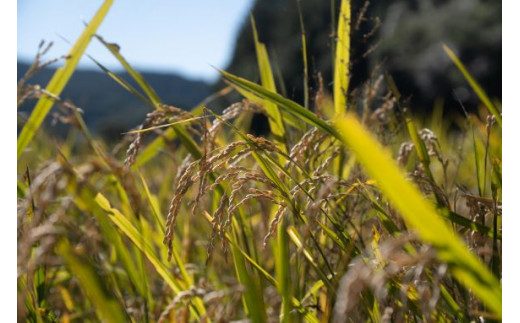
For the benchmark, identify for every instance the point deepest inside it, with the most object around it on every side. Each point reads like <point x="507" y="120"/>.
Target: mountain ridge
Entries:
<point x="104" y="102"/>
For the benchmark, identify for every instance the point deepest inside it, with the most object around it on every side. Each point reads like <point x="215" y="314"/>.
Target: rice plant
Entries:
<point x="350" y="210"/>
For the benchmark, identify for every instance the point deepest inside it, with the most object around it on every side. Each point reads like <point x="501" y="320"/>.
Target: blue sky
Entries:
<point x="169" y="36"/>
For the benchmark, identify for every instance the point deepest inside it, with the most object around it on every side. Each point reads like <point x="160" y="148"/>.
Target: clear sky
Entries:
<point x="183" y="36"/>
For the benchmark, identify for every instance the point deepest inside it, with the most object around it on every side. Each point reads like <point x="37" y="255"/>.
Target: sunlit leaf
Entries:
<point x="60" y="79"/>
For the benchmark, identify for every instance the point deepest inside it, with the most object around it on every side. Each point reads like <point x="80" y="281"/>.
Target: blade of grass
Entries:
<point x="304" y="56"/>
<point x="476" y="156"/>
<point x="135" y="236"/>
<point x="297" y="240"/>
<point x="288" y="119"/>
<point x="313" y="290"/>
<point x="332" y="31"/>
<point x="342" y="59"/>
<point x="114" y="49"/>
<point x="85" y="202"/>
<point x="156" y="211"/>
<point x="266" y="76"/>
<point x="252" y="296"/>
<point x="454" y="307"/>
<point x="127" y="86"/>
<point x="467" y="223"/>
<point x="281" y="254"/>
<point x="387" y="221"/>
<point x="279" y="76"/>
<point x="474" y="85"/>
<point x="105" y="304"/>
<point x="309" y="317"/>
<point x="60" y="79"/>
<point x="288" y="105"/>
<point x="164" y="125"/>
<point x="419" y="214"/>
<point x="178" y="130"/>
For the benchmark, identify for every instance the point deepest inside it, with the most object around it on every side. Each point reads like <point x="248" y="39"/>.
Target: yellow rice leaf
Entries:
<point x="419" y="213"/>
<point x="60" y="79"/>
<point x="342" y="59"/>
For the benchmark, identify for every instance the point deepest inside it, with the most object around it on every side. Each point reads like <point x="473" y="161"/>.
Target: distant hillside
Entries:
<point x="409" y="41"/>
<point x="110" y="109"/>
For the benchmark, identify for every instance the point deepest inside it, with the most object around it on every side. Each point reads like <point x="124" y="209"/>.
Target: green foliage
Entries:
<point x="105" y="305"/>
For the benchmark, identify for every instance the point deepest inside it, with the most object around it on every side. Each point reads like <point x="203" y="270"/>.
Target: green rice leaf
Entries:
<point x="133" y="234"/>
<point x="85" y="202"/>
<point x="238" y="251"/>
<point x="474" y="85"/>
<point x="114" y="49"/>
<point x="253" y="297"/>
<point x="297" y="240"/>
<point x="266" y="76"/>
<point x="288" y="119"/>
<point x="127" y="86"/>
<point x="304" y="58"/>
<point x="313" y="290"/>
<point x="288" y="105"/>
<point x="156" y="211"/>
<point x="282" y="265"/>
<point x="105" y="304"/>
<point x="479" y="170"/>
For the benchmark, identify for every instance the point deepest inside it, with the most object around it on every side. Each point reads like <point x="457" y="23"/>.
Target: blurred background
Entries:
<point x="176" y="43"/>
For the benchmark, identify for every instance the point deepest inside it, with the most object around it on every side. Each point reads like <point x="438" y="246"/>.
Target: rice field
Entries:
<point x="351" y="209"/>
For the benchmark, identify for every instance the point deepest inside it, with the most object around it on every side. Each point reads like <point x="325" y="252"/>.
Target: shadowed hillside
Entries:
<point x="110" y="110"/>
<point x="404" y="36"/>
